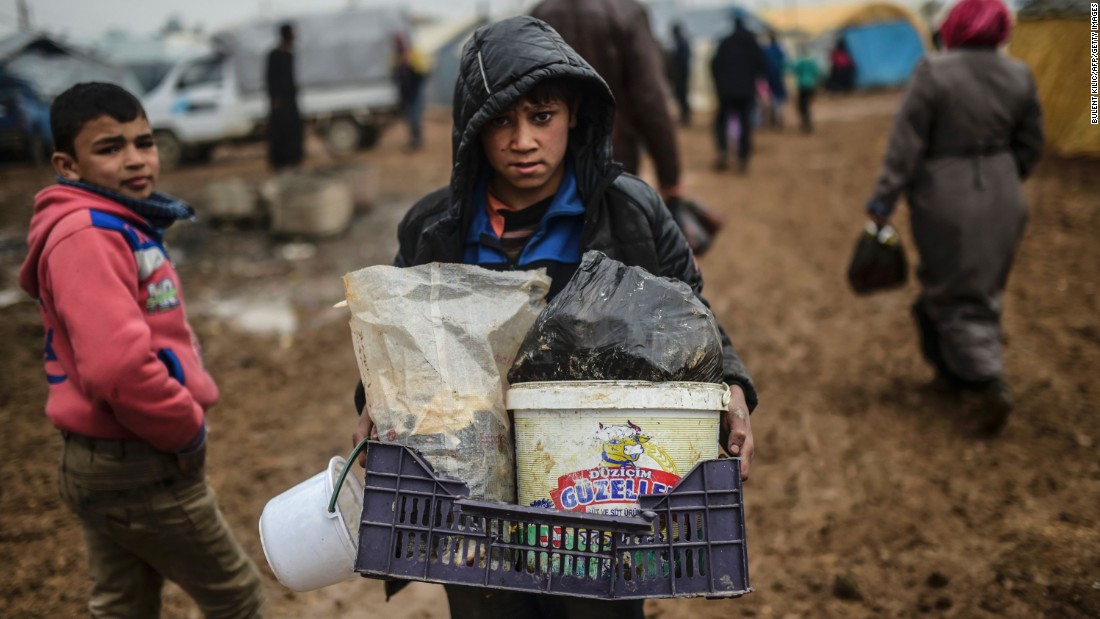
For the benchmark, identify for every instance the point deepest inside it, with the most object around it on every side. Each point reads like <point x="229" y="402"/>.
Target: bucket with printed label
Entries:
<point x="595" y="446"/>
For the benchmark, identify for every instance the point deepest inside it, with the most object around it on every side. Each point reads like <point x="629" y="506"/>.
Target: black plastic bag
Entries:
<point x="614" y="322"/>
<point x="878" y="262"/>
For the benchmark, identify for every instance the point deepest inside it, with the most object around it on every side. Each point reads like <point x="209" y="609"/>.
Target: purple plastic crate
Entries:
<point x="417" y="525"/>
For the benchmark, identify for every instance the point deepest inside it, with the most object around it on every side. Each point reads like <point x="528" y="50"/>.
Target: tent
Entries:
<point x="1044" y="38"/>
<point x="52" y="66"/>
<point x="443" y="42"/>
<point x="709" y="24"/>
<point x="886" y="40"/>
<point x="332" y="49"/>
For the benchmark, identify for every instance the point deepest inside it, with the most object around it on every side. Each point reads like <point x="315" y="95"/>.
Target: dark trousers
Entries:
<point x="285" y="134"/>
<point x="680" y="90"/>
<point x="805" y="99"/>
<point x="145" y="521"/>
<point x="481" y="603"/>
<point x="742" y="110"/>
<point x="931" y="346"/>
<point x="413" y="109"/>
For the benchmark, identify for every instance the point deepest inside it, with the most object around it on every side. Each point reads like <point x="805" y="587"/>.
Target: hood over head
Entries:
<point x="500" y="63"/>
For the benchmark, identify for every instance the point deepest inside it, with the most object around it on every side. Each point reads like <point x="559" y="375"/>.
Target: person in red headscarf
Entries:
<point x="959" y="150"/>
<point x="976" y="24"/>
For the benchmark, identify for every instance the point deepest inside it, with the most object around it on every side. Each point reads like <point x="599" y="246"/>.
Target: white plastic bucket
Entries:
<point x="306" y="546"/>
<point x="594" y="446"/>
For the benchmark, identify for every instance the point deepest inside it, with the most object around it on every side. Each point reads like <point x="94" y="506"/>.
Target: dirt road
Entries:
<point x="867" y="499"/>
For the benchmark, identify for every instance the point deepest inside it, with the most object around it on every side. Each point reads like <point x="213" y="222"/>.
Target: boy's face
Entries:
<point x="118" y="156"/>
<point x="526" y="148"/>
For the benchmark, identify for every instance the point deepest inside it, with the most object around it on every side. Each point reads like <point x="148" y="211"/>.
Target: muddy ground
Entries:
<point x="867" y="497"/>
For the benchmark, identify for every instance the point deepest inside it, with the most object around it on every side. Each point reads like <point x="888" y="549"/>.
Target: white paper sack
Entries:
<point x="434" y="344"/>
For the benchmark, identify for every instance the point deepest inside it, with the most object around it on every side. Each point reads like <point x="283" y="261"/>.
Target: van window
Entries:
<point x="203" y="72"/>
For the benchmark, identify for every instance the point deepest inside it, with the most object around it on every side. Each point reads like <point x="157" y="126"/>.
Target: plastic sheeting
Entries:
<point x="1042" y="39"/>
<point x="434" y="344"/>
<point x="52" y="68"/>
<point x="330" y="49"/>
<point x="886" y="40"/>
<point x="885" y="54"/>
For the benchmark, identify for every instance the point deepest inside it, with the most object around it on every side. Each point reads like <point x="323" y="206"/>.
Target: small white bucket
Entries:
<point x="594" y="446"/>
<point x="307" y="546"/>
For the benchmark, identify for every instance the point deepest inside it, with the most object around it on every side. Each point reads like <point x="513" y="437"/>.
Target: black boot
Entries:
<point x="994" y="404"/>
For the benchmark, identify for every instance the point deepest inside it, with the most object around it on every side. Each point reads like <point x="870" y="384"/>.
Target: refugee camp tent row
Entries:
<point x="886" y="40"/>
<point x="1052" y="37"/>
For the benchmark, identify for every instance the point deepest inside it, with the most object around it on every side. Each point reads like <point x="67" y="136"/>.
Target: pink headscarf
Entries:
<point x="976" y="23"/>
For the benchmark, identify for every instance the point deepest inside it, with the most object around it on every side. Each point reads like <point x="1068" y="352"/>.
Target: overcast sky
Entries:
<point x="86" y="19"/>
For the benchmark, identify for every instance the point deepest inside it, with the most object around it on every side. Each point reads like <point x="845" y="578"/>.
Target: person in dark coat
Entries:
<point x="737" y="64"/>
<point x="842" y="69"/>
<point x="284" y="124"/>
<point x="615" y="38"/>
<point x="533" y="186"/>
<point x="679" y="70"/>
<point x="962" y="182"/>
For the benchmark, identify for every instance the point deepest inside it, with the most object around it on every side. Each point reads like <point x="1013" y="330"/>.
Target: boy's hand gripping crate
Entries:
<point x="419" y="526"/>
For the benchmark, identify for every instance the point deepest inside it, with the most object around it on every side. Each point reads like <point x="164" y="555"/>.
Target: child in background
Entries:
<point x="127" y="388"/>
<point x="807" y="74"/>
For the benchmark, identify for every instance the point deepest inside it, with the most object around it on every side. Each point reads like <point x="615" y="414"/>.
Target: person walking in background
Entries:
<point x="962" y="180"/>
<point x="777" y="84"/>
<point x="614" y="37"/>
<point x="126" y="384"/>
<point x="680" y="72"/>
<point x="807" y="75"/>
<point x="410" y="72"/>
<point x="284" y="123"/>
<point x="737" y="64"/>
<point x="842" y="69"/>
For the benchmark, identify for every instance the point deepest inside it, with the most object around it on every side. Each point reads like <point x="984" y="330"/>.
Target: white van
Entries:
<point x="342" y="67"/>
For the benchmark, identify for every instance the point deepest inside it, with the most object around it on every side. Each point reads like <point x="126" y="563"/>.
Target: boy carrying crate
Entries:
<point x="533" y="186"/>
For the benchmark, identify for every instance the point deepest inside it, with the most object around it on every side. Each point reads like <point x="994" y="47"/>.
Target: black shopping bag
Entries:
<point x="878" y="262"/>
<point x="697" y="223"/>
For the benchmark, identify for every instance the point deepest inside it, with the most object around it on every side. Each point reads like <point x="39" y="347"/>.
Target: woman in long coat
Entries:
<point x="968" y="132"/>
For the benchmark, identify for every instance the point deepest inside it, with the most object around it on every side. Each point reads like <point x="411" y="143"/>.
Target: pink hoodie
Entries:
<point x="121" y="360"/>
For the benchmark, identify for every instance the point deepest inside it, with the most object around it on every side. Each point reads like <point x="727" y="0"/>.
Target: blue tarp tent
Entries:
<point x="886" y="40"/>
<point x="885" y="54"/>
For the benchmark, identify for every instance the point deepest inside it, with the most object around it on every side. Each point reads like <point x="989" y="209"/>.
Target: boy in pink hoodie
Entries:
<point x="127" y="388"/>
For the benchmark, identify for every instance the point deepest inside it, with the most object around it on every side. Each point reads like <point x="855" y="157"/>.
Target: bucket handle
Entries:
<point x="344" y="473"/>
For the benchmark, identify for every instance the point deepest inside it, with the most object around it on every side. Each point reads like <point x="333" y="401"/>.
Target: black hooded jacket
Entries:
<point x="625" y="218"/>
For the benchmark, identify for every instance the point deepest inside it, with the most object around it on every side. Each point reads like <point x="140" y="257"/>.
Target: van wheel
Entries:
<point x="169" y="149"/>
<point x="368" y="135"/>
<point x="342" y="136"/>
